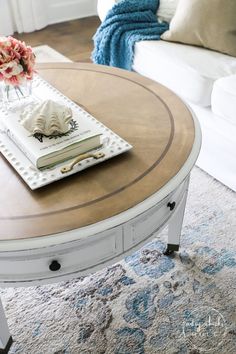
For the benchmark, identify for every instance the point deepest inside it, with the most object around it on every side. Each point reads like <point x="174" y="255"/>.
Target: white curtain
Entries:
<point x="22" y="16"/>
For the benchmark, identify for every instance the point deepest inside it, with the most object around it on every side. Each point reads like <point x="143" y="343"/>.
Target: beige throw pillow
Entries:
<point x="206" y="23"/>
<point x="166" y="10"/>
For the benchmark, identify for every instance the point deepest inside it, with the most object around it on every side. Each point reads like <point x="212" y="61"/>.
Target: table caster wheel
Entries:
<point x="168" y="252"/>
<point x="170" y="249"/>
<point x="8" y="346"/>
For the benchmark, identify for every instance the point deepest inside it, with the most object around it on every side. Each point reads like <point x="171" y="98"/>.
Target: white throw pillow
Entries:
<point x="103" y="6"/>
<point x="167" y="10"/>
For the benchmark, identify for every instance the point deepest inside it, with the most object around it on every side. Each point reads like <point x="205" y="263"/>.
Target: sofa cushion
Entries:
<point x="210" y="24"/>
<point x="224" y="98"/>
<point x="187" y="70"/>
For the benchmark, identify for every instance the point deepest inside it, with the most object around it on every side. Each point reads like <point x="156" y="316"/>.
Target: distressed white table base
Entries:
<point x="33" y="264"/>
<point x="136" y="232"/>
<point x="175" y="227"/>
<point x="5" y="337"/>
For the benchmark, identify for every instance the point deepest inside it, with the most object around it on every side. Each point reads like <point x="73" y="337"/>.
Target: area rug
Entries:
<point x="46" y="54"/>
<point x="147" y="303"/>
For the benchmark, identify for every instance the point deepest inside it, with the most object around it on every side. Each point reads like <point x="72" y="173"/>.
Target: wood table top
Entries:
<point x="148" y="115"/>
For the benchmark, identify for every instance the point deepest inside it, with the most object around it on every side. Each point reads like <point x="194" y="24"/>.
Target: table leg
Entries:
<point x="175" y="226"/>
<point x="5" y="337"/>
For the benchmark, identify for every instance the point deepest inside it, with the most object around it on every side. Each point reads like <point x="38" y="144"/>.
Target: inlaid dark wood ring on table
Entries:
<point x="110" y="95"/>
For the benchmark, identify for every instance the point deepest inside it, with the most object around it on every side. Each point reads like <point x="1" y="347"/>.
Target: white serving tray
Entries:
<point x="112" y="144"/>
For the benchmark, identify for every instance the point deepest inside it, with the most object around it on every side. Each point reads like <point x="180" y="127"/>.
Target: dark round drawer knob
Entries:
<point x="171" y="205"/>
<point x="54" y="266"/>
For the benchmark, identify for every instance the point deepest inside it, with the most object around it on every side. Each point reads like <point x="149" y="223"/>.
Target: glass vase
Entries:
<point x="13" y="95"/>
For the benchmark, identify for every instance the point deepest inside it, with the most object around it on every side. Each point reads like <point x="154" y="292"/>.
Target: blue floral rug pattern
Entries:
<point x="148" y="303"/>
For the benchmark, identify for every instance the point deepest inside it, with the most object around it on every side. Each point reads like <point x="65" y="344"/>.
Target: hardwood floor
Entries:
<point x="72" y="39"/>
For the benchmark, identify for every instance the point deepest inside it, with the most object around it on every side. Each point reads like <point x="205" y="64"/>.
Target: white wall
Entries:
<point x="64" y="10"/>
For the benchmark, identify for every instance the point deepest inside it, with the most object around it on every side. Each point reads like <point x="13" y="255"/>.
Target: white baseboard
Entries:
<point x="66" y="10"/>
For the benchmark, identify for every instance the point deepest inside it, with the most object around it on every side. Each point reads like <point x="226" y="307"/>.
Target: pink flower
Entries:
<point x="16" y="61"/>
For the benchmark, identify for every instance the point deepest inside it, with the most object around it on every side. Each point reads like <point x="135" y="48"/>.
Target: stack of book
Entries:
<point x="46" y="151"/>
<point x="35" y="155"/>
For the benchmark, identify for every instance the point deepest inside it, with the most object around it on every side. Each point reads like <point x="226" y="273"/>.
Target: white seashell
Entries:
<point x="47" y="118"/>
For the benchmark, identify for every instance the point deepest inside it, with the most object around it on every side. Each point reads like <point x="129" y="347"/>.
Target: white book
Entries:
<point x="43" y="151"/>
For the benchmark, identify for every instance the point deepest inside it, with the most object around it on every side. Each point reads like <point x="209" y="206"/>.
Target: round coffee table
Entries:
<point x="94" y="218"/>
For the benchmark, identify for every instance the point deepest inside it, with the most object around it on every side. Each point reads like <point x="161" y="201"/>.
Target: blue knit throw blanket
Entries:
<point x="128" y="21"/>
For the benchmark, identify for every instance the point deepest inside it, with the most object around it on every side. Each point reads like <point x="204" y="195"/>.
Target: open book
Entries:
<point x="46" y="151"/>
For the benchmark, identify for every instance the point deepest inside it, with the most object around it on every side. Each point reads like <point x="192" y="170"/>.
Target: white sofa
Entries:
<point x="206" y="81"/>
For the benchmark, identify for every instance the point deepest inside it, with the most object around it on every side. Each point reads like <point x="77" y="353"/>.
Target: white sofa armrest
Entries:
<point x="103" y="6"/>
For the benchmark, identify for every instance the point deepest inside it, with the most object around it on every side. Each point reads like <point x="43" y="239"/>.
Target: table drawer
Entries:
<point x="91" y="253"/>
<point x="61" y="259"/>
<point x="141" y="227"/>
